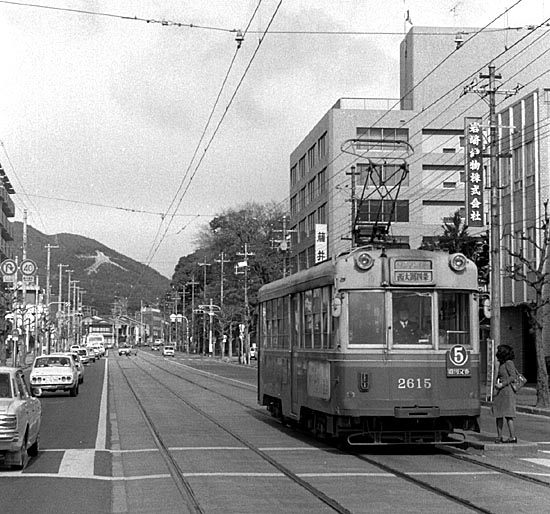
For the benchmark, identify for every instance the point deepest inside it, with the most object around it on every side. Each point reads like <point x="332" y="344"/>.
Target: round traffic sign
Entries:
<point x="8" y="267"/>
<point x="28" y="267"/>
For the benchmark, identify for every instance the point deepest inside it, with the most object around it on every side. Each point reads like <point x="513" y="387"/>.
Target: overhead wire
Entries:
<point x="251" y="60"/>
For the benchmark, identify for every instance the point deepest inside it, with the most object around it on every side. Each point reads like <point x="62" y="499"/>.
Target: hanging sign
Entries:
<point x="474" y="172"/>
<point x="321" y="244"/>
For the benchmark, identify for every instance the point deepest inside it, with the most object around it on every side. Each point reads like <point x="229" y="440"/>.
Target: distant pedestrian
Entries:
<point x="504" y="403"/>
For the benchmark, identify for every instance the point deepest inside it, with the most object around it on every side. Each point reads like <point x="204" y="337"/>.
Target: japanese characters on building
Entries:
<point x="321" y="244"/>
<point x="474" y="172"/>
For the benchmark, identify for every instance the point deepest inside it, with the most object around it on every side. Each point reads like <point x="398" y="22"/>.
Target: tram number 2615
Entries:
<point x="414" y="383"/>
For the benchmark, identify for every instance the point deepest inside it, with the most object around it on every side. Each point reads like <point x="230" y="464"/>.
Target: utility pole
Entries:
<point x="284" y="244"/>
<point x="48" y="248"/>
<point x="246" y="254"/>
<point x="204" y="265"/>
<point x="61" y="308"/>
<point x="192" y="284"/>
<point x="353" y="201"/>
<point x="222" y="261"/>
<point x="490" y="91"/>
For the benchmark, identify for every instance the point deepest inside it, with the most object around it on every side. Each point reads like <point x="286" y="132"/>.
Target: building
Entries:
<point x="425" y="174"/>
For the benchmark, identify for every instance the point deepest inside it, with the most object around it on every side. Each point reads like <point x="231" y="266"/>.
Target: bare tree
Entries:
<point x="529" y="265"/>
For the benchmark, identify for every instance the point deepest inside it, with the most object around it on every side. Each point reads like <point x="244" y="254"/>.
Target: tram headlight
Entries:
<point x="457" y="262"/>
<point x="364" y="261"/>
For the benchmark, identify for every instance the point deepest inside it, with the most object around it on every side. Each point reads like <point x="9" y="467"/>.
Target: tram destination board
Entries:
<point x="411" y="272"/>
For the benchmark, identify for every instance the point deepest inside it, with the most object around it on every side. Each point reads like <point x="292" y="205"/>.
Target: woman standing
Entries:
<point x="504" y="404"/>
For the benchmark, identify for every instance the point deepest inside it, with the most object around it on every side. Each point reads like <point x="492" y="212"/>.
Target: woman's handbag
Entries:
<point x="518" y="382"/>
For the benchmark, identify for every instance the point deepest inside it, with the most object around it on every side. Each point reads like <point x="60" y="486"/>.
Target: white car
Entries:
<point x="52" y="373"/>
<point x="77" y="362"/>
<point x="168" y="351"/>
<point x="20" y="417"/>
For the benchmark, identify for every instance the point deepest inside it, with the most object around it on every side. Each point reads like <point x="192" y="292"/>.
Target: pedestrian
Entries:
<point x="504" y="402"/>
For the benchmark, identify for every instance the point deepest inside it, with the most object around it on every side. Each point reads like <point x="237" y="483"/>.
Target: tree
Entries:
<point x="251" y="225"/>
<point x="529" y="259"/>
<point x="456" y="239"/>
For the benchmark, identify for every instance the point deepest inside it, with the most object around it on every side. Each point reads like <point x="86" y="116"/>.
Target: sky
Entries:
<point x="105" y="106"/>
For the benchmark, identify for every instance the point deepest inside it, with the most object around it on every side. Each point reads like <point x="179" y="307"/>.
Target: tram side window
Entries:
<point x="282" y="322"/>
<point x="366" y="318"/>
<point x="308" y="319"/>
<point x="454" y="318"/>
<point x="412" y="323"/>
<point x="325" y="314"/>
<point x="263" y="322"/>
<point x="317" y="325"/>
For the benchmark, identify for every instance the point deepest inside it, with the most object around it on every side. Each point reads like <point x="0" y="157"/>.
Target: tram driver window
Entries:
<point x="411" y="323"/>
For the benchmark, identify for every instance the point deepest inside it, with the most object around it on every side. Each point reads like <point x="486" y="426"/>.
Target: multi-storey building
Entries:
<point x="330" y="168"/>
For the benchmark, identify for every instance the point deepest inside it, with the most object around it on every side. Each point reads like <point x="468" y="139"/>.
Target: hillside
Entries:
<point x="102" y="272"/>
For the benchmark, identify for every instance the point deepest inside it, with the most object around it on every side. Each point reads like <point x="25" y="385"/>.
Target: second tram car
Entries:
<point x="378" y="346"/>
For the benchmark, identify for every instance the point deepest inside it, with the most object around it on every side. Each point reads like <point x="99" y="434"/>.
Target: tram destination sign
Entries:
<point x="411" y="272"/>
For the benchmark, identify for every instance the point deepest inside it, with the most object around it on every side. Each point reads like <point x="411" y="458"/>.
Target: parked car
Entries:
<point x="74" y="348"/>
<point x="168" y="351"/>
<point x="52" y="373"/>
<point x="98" y="348"/>
<point x="20" y="417"/>
<point x="156" y="345"/>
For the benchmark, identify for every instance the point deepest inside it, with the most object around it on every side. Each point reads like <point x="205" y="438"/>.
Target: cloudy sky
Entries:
<point x="102" y="112"/>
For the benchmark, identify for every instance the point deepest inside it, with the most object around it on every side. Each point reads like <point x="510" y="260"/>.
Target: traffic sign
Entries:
<point x="8" y="267"/>
<point x="28" y="267"/>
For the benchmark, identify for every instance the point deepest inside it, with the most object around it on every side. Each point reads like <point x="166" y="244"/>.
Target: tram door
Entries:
<point x="295" y="324"/>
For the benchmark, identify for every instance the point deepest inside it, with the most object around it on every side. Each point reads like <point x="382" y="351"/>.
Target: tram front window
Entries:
<point x="366" y="318"/>
<point x="454" y="318"/>
<point x="412" y="320"/>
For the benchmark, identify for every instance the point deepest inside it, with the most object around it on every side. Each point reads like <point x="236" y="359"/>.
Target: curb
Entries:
<point x="526" y="409"/>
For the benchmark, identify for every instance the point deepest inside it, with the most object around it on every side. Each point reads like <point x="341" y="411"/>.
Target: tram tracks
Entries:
<point x="408" y="477"/>
<point x="178" y="475"/>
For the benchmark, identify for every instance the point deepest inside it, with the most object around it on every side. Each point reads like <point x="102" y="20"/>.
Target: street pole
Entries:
<point x="61" y="308"/>
<point x="246" y="254"/>
<point x="192" y="284"/>
<point x="48" y="248"/>
<point x="204" y="266"/>
<point x="222" y="261"/>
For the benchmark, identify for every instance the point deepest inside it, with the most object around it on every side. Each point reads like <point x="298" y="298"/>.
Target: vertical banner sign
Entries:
<point x="474" y="172"/>
<point x="321" y="245"/>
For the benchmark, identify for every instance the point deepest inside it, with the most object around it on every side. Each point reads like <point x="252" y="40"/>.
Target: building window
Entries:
<point x="529" y="163"/>
<point x="311" y="191"/>
<point x="322" y="214"/>
<point x="322" y="146"/>
<point x="302" y="198"/>
<point x="388" y="175"/>
<point x="311" y="158"/>
<point x="311" y="224"/>
<point x="293" y="205"/>
<point x="322" y="182"/>
<point x="310" y="256"/>
<point x="302" y="231"/>
<point x="302" y="167"/>
<point x="382" y="134"/>
<point x="293" y="176"/>
<point x="302" y="260"/>
<point x="384" y="210"/>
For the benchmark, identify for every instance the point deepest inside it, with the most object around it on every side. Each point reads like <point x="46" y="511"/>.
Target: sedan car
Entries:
<point x="77" y="362"/>
<point x="20" y="417"/>
<point x="52" y="373"/>
<point x="168" y="351"/>
<point x="126" y="349"/>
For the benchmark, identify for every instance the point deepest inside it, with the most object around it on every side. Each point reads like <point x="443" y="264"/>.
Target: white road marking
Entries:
<point x="79" y="463"/>
<point x="101" y="439"/>
<point x="540" y="462"/>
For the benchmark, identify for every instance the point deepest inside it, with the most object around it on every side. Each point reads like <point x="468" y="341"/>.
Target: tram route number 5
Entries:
<point x="458" y="362"/>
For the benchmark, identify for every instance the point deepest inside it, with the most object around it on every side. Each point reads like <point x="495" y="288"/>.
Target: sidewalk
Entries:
<point x="526" y="401"/>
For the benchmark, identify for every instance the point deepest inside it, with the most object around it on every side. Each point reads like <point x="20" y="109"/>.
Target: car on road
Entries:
<point x="126" y="349"/>
<point x="20" y="418"/>
<point x="77" y="362"/>
<point x="168" y="351"/>
<point x="253" y="353"/>
<point x="53" y="373"/>
<point x="156" y="345"/>
<point x="84" y="356"/>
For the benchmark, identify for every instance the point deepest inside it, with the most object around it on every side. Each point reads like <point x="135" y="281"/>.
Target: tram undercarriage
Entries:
<point x="379" y="430"/>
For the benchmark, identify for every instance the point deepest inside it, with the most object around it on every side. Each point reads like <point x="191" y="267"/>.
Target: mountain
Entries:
<point x="103" y="273"/>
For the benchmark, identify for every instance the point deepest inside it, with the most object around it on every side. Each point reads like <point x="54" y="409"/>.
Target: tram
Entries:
<point x="377" y="346"/>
